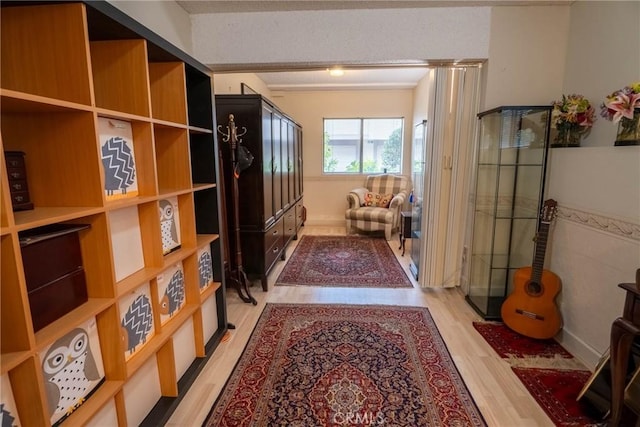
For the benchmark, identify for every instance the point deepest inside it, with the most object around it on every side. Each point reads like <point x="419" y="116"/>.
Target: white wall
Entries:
<point x="600" y="61"/>
<point x="526" y="55"/>
<point x="420" y="97"/>
<point x="325" y="196"/>
<point x="595" y="243"/>
<point x="165" y="18"/>
<point x="378" y="35"/>
<point x="230" y="84"/>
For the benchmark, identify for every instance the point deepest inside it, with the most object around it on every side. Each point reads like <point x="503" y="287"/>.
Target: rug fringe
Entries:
<point x="556" y="362"/>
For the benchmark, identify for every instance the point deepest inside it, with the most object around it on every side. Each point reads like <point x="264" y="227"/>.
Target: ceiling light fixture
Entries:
<point x="336" y="72"/>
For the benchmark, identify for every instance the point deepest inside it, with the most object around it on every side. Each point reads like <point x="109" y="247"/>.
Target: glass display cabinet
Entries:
<point x="420" y="157"/>
<point x="509" y="190"/>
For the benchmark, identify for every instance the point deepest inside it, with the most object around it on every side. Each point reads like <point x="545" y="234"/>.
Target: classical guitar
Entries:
<point x="531" y="309"/>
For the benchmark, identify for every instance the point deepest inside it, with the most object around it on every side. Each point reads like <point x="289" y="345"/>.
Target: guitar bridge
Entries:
<point x="529" y="314"/>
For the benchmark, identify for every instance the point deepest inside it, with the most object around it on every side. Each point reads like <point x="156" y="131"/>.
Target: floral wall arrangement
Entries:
<point x="623" y="107"/>
<point x="572" y="117"/>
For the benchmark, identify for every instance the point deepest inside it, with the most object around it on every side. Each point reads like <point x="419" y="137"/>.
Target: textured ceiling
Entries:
<point x="374" y="78"/>
<point x="233" y="6"/>
<point x="315" y="76"/>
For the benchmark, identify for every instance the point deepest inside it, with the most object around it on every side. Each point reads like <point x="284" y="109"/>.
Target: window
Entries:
<point x="362" y="145"/>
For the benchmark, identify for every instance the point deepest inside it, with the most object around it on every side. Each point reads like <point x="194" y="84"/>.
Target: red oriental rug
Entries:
<point x="343" y="261"/>
<point x="336" y="365"/>
<point x="549" y="372"/>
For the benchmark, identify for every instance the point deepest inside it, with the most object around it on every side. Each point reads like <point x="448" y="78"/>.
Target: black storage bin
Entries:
<point x="53" y="271"/>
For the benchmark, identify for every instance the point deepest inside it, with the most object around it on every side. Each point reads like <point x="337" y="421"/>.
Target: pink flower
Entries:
<point x="623" y="105"/>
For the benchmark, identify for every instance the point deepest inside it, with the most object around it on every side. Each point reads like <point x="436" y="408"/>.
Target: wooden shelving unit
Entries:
<point x="66" y="67"/>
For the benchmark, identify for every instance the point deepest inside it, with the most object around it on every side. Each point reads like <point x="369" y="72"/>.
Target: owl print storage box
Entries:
<point x="205" y="268"/>
<point x="72" y="369"/>
<point x="170" y="292"/>
<point x="169" y="224"/>
<point x="118" y="159"/>
<point x="136" y="319"/>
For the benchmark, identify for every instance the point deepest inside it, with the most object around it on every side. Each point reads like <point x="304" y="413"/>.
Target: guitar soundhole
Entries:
<point x="534" y="288"/>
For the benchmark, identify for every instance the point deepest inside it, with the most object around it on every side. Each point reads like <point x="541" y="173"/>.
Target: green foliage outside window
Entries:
<point x="392" y="152"/>
<point x="367" y="167"/>
<point x="329" y="161"/>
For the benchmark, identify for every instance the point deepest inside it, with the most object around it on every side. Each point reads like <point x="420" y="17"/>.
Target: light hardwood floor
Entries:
<point x="502" y="399"/>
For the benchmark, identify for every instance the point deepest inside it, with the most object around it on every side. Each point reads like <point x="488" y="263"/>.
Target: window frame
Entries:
<point x="361" y="144"/>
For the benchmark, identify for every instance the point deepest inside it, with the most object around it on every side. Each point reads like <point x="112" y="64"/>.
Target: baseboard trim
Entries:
<point x="325" y="222"/>
<point x="574" y="345"/>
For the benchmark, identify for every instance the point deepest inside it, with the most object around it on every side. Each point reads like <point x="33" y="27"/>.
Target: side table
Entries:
<point x="405" y="228"/>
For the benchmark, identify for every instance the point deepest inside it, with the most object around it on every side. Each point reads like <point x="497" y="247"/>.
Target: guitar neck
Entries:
<point x="541" y="247"/>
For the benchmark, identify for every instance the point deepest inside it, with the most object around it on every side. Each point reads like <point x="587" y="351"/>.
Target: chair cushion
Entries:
<point x="369" y="214"/>
<point x="377" y="200"/>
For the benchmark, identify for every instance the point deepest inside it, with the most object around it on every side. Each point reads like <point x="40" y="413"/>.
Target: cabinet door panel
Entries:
<point x="291" y="164"/>
<point x="286" y="164"/>
<point x="268" y="164"/>
<point x="277" y="161"/>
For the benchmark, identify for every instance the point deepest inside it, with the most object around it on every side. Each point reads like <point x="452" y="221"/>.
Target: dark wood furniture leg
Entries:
<point x="405" y="229"/>
<point x="623" y="332"/>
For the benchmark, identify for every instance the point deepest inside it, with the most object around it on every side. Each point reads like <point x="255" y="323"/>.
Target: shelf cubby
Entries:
<point x="166" y="369"/>
<point x="172" y="159"/>
<point x="163" y="333"/>
<point x="105" y="393"/>
<point x="210" y="314"/>
<point x="202" y="155"/>
<point x="16" y="332"/>
<point x="168" y="98"/>
<point x="98" y="271"/>
<point x="198" y="332"/>
<point x="111" y="343"/>
<point x="5" y="201"/>
<point x="184" y="343"/>
<point x="192" y="292"/>
<point x="26" y="380"/>
<point x="143" y="155"/>
<point x="188" y="227"/>
<point x="142" y="387"/>
<point x="62" y="169"/>
<point x="126" y="243"/>
<point x="66" y="323"/>
<point x="150" y="231"/>
<point x="58" y="65"/>
<point x="199" y="92"/>
<point x="120" y="75"/>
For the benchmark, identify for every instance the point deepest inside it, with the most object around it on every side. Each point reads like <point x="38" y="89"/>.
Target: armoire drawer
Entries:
<point x="272" y="253"/>
<point x="274" y="234"/>
<point x="300" y="213"/>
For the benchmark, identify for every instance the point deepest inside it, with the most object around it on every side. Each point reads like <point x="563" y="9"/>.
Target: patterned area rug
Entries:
<point x="343" y="261"/>
<point x="337" y="365"/>
<point x="549" y="372"/>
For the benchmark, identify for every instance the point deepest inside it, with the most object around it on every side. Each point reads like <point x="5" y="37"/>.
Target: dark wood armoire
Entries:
<point x="271" y="189"/>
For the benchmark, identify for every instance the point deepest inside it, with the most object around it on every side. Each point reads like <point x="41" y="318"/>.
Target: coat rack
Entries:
<point x="237" y="274"/>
